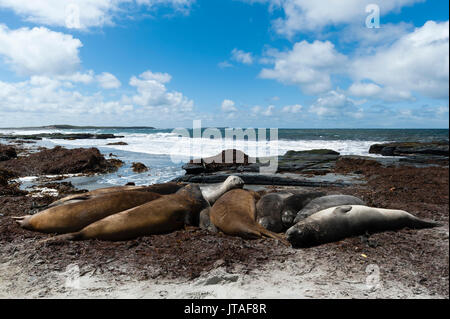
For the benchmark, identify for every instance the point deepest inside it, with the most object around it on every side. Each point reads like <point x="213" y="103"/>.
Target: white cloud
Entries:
<point x="241" y="56"/>
<point x="228" y="106"/>
<point x="152" y="93"/>
<point x="46" y="95"/>
<point x="108" y="81"/>
<point x="364" y="89"/>
<point x="334" y="104"/>
<point x="417" y="62"/>
<point x="308" y="65"/>
<point x="53" y="96"/>
<point x="39" y="51"/>
<point x="81" y="13"/>
<point x="306" y="15"/>
<point x="297" y="108"/>
<point x="225" y="64"/>
<point x="258" y="110"/>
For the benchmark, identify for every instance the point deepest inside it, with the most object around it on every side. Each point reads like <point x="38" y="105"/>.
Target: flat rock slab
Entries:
<point x="281" y="179"/>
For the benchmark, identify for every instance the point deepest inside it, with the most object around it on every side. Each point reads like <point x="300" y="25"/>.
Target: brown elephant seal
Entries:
<point x="163" y="189"/>
<point x="205" y="221"/>
<point x="164" y="215"/>
<point x="324" y="202"/>
<point x="277" y="211"/>
<point x="212" y="193"/>
<point x="337" y="223"/>
<point x="234" y="214"/>
<point x="75" y="216"/>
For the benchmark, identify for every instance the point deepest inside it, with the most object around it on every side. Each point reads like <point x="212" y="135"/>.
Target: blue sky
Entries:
<point x="240" y="63"/>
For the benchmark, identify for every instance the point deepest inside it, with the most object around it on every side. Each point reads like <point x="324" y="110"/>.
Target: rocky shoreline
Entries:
<point x="415" y="182"/>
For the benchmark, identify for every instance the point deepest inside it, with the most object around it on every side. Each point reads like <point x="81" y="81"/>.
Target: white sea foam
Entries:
<point x="183" y="147"/>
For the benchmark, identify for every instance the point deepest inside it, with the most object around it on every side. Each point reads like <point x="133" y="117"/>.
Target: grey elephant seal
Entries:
<point x="269" y="209"/>
<point x="74" y="216"/>
<point x="293" y="204"/>
<point x="277" y="211"/>
<point x="234" y="214"/>
<point x="336" y="223"/>
<point x="163" y="189"/>
<point x="325" y="202"/>
<point x="212" y="193"/>
<point x="163" y="215"/>
<point x="205" y="221"/>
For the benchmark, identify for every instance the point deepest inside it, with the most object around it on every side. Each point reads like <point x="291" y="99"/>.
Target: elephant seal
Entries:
<point x="293" y="204"/>
<point x="269" y="209"/>
<point x="205" y="221"/>
<point x="277" y="211"/>
<point x="163" y="189"/>
<point x="234" y="214"/>
<point x="336" y="223"/>
<point x="212" y="193"/>
<point x="163" y="215"/>
<point x="74" y="216"/>
<point x="325" y="202"/>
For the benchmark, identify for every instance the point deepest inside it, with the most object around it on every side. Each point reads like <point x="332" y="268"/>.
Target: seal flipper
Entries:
<point x="270" y="234"/>
<point x="62" y="238"/>
<point x="418" y="223"/>
<point x="342" y="209"/>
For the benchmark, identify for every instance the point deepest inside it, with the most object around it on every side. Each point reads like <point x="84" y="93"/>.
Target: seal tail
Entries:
<point x="270" y="234"/>
<point x="421" y="224"/>
<point x="63" y="238"/>
<point x="23" y="221"/>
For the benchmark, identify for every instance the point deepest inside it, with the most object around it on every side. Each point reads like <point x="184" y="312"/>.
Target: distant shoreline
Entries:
<point x="68" y="127"/>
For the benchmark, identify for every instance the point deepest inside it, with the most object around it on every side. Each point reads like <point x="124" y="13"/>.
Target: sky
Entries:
<point x="235" y="63"/>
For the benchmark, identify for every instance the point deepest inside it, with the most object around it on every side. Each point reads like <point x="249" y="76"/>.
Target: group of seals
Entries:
<point x="276" y="211"/>
<point x="163" y="215"/>
<point x="127" y="212"/>
<point x="336" y="223"/>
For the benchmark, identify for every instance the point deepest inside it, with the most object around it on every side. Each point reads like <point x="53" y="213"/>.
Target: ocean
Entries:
<point x="164" y="152"/>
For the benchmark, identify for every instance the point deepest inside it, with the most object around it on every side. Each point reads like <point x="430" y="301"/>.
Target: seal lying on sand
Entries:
<point x="325" y="202"/>
<point x="163" y="215"/>
<point x="336" y="223"/>
<point x="212" y="193"/>
<point x="74" y="216"/>
<point x="269" y="209"/>
<point x="163" y="189"/>
<point x="234" y="214"/>
<point x="295" y="203"/>
<point x="277" y="211"/>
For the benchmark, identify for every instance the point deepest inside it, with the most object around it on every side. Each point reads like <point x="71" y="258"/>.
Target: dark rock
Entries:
<point x="227" y="160"/>
<point x="260" y="179"/>
<point x="440" y="148"/>
<point x="60" y="160"/>
<point x="7" y="152"/>
<point x="118" y="143"/>
<point x="139" y="168"/>
<point x="310" y="152"/>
